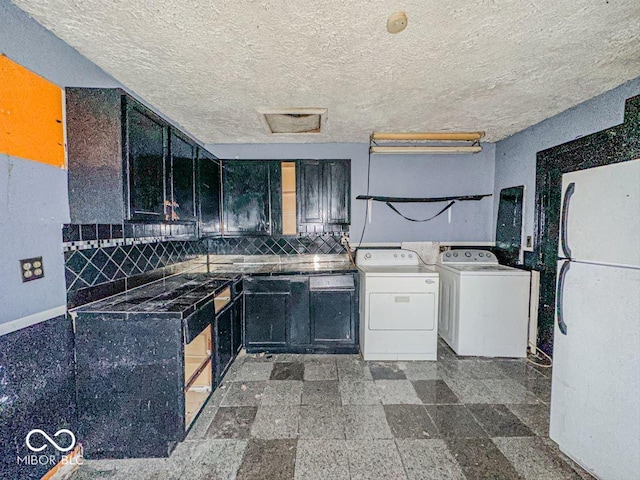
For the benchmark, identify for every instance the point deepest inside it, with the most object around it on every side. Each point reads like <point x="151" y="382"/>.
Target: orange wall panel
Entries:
<point x="31" y="125"/>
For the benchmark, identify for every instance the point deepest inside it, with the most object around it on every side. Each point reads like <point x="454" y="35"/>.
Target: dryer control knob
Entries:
<point x="367" y="256"/>
<point x="467" y="254"/>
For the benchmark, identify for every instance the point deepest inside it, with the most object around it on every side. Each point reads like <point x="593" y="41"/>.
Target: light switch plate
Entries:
<point x="31" y="269"/>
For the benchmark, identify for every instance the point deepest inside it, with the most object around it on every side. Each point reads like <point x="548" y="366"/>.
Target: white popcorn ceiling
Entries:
<point x="498" y="66"/>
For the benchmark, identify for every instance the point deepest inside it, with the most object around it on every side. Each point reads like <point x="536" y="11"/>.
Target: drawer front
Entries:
<point x="402" y="284"/>
<point x="253" y="285"/>
<point x="197" y="322"/>
<point x="332" y="282"/>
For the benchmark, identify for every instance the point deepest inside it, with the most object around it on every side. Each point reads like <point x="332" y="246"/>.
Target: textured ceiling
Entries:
<point x="498" y="66"/>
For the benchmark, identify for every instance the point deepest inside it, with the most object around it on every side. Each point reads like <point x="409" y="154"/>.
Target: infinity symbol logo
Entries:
<point x="50" y="440"/>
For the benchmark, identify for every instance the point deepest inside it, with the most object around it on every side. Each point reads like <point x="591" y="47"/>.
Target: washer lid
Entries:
<point x="477" y="269"/>
<point x="398" y="270"/>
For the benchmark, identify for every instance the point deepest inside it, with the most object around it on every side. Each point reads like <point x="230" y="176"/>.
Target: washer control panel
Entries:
<point x="386" y="256"/>
<point x="468" y="256"/>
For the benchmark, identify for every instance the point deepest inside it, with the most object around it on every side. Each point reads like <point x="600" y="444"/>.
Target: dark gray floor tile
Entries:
<point x="499" y="421"/>
<point x="428" y="460"/>
<point x="534" y="460"/>
<point x="434" y="392"/>
<point x="268" y="460"/>
<point x="455" y="421"/>
<point x="324" y="392"/>
<point x="243" y="394"/>
<point x="480" y="459"/>
<point x="321" y="421"/>
<point x="232" y="422"/>
<point x="287" y="371"/>
<point x="386" y="371"/>
<point x="410" y="421"/>
<point x="536" y="417"/>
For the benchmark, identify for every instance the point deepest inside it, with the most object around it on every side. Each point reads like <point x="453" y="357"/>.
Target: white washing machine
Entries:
<point x="398" y="306"/>
<point x="484" y="306"/>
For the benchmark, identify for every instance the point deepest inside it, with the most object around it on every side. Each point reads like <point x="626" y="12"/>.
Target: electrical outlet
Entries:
<point x="529" y="241"/>
<point x="31" y="269"/>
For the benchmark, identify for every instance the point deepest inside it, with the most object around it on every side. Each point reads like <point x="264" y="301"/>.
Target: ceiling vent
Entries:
<point x="293" y="121"/>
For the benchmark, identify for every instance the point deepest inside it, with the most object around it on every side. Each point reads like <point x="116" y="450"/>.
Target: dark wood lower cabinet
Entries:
<point x="301" y="314"/>
<point x="224" y="341"/>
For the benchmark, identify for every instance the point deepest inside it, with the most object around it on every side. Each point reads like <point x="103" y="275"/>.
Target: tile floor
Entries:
<point x="325" y="417"/>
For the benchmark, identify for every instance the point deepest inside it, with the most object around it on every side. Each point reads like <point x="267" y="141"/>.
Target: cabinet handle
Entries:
<point x="222" y="298"/>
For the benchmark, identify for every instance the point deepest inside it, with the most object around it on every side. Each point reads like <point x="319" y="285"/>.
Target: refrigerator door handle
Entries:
<point x="559" y="296"/>
<point x="565" y="218"/>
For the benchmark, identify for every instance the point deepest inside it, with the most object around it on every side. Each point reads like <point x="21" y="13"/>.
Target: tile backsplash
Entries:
<point x="103" y="260"/>
<point x="263" y="245"/>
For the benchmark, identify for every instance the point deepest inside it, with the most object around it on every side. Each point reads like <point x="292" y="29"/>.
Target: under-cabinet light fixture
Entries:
<point x="426" y="142"/>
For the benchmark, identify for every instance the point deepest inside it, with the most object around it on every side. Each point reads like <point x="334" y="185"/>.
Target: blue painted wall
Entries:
<point x="404" y="176"/>
<point x="516" y="155"/>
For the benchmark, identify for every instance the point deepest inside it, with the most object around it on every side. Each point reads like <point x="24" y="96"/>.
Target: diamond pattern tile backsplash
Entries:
<point x="95" y="266"/>
<point x="308" y="244"/>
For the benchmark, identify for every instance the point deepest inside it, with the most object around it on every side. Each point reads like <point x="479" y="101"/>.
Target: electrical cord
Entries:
<point x="541" y="365"/>
<point x="366" y="211"/>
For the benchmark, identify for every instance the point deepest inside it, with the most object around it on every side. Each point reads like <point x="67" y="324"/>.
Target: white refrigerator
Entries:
<point x="595" y="390"/>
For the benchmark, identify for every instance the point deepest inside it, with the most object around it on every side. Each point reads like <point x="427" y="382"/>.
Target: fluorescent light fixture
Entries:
<point x="426" y="142"/>
<point x="430" y="136"/>
<point x="429" y="149"/>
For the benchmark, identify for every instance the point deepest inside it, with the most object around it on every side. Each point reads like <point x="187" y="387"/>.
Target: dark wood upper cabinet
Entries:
<point x="309" y="190"/>
<point x="337" y="179"/>
<point x="126" y="163"/>
<point x="181" y="173"/>
<point x="209" y="185"/>
<point x="252" y="197"/>
<point x="324" y="194"/>
<point x="145" y="140"/>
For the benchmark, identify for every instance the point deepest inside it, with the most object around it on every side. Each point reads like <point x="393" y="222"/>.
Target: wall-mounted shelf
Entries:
<point x="390" y="200"/>
<point x="461" y="198"/>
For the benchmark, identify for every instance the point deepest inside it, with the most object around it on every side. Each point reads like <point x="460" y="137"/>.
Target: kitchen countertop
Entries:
<point x="178" y="296"/>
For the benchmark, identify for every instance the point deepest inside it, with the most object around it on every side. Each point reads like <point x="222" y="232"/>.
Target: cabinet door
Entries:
<point x="237" y="325"/>
<point x="266" y="319"/>
<point x="332" y="316"/>
<point x="310" y="192"/>
<point x="181" y="204"/>
<point x="337" y="178"/>
<point x="224" y="344"/>
<point x="246" y="197"/>
<point x="146" y="147"/>
<point x="209" y="185"/>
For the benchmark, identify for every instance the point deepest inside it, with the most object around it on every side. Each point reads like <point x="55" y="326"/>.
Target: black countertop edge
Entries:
<point x="159" y="303"/>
